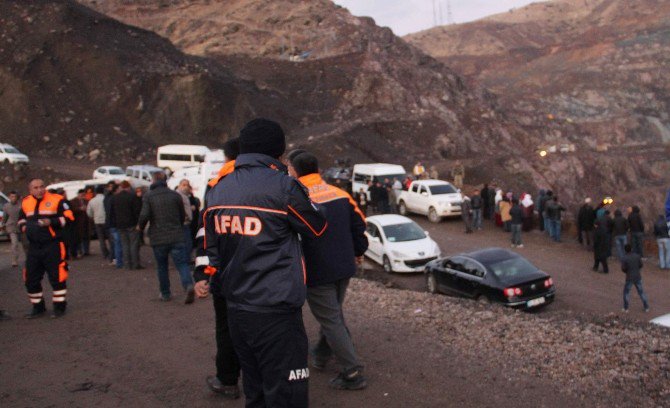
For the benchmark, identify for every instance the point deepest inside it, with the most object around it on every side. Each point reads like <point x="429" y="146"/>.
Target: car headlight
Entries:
<point x="398" y="254"/>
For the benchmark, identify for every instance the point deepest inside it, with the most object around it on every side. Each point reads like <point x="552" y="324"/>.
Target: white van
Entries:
<point x="175" y="157"/>
<point x="363" y="173"/>
<point x="197" y="176"/>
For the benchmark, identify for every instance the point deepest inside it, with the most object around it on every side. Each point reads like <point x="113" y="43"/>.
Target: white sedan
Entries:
<point x="109" y="173"/>
<point x="399" y="244"/>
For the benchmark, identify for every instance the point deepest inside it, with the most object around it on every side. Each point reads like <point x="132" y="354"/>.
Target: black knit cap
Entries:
<point x="262" y="136"/>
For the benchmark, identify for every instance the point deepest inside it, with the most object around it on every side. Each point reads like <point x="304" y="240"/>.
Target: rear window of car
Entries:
<point x="442" y="189"/>
<point x="512" y="268"/>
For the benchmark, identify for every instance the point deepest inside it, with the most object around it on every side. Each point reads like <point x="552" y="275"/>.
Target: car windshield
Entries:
<point x="442" y="189"/>
<point x="390" y="177"/>
<point x="408" y="231"/>
<point x="512" y="268"/>
<point x="115" y="171"/>
<point x="11" y="150"/>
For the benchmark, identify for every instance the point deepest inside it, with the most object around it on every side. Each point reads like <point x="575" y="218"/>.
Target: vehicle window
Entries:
<point x="11" y="150"/>
<point x="175" y="157"/>
<point x="442" y="189"/>
<point x="372" y="230"/>
<point x="199" y="158"/>
<point x="2" y="150"/>
<point x="455" y="263"/>
<point x="115" y="171"/>
<point x="423" y="190"/>
<point x="103" y="171"/>
<point x="382" y="177"/>
<point x="408" y="231"/>
<point x="415" y="188"/>
<point x="129" y="172"/>
<point x="513" y="267"/>
<point x="473" y="268"/>
<point x="359" y="178"/>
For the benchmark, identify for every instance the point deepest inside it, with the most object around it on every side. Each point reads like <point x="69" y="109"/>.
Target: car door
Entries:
<point x="375" y="242"/>
<point x="448" y="279"/>
<point x="470" y="278"/>
<point x="423" y="200"/>
<point x="412" y="195"/>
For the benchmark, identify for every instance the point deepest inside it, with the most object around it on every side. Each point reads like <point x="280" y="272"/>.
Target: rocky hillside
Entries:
<point x="589" y="73"/>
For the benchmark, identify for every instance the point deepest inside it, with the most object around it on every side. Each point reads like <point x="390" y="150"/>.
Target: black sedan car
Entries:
<point x="492" y="274"/>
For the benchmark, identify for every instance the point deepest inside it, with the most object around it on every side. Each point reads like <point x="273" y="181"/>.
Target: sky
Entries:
<point x="409" y="16"/>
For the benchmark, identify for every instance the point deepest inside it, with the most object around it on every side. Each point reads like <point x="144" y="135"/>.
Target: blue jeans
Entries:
<point x="640" y="291"/>
<point x="547" y="224"/>
<point x="178" y="254"/>
<point x="118" y="249"/>
<point x="636" y="239"/>
<point x="663" y="253"/>
<point x="620" y="241"/>
<point x="555" y="230"/>
<point x="477" y="218"/>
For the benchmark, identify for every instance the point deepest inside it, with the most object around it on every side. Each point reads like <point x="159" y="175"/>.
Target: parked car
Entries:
<point x="3" y="200"/>
<point x="663" y="320"/>
<point x="492" y="274"/>
<point x="175" y="157"/>
<point x="109" y="173"/>
<point x="399" y="244"/>
<point x="142" y="175"/>
<point x="433" y="198"/>
<point x="11" y="155"/>
<point x="72" y="187"/>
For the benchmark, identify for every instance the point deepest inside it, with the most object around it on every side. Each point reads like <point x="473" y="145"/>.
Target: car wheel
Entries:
<point x="431" y="283"/>
<point x="432" y="215"/>
<point x="386" y="263"/>
<point x="402" y="208"/>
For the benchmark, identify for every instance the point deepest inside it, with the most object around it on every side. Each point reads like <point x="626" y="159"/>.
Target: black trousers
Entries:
<point x="598" y="260"/>
<point x="272" y="348"/>
<point x="227" y="363"/>
<point x="50" y="259"/>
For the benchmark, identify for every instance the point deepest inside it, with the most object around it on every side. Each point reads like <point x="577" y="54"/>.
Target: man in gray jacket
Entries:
<point x="631" y="263"/>
<point x="163" y="209"/>
<point x="96" y="212"/>
<point x="11" y="213"/>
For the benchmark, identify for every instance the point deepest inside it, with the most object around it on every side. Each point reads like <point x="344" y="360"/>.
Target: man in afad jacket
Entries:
<point x="331" y="262"/>
<point x="252" y="223"/>
<point x="42" y="217"/>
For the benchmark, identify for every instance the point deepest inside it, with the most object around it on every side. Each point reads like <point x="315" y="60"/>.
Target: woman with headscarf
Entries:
<point x="528" y="207"/>
<point x="498" y="198"/>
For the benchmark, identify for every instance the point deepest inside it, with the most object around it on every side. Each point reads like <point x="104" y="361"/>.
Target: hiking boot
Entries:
<point x="59" y="310"/>
<point x="39" y="310"/>
<point x="190" y="296"/>
<point x="226" y="391"/>
<point x="349" y="380"/>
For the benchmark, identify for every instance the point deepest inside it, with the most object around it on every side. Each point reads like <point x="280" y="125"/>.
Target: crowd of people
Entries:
<point x="265" y="241"/>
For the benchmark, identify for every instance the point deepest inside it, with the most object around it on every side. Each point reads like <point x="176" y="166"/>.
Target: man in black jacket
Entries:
<point x="252" y="222"/>
<point x="631" y="263"/>
<point x="620" y="229"/>
<point x="327" y="281"/>
<point x="585" y="221"/>
<point x="636" y="230"/>
<point x="125" y="207"/>
<point x="163" y="210"/>
<point x="601" y="245"/>
<point x="516" y="212"/>
<point x="477" y="204"/>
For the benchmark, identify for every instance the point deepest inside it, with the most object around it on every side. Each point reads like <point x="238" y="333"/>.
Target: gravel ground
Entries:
<point x="587" y="358"/>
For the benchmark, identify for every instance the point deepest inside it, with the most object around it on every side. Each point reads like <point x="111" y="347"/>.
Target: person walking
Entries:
<point x="516" y="223"/>
<point x="96" y="212"/>
<point x="458" y="174"/>
<point x="80" y="226"/>
<point x="586" y="219"/>
<point x="126" y="208"/>
<point x="663" y="242"/>
<point x="184" y="190"/>
<point x="42" y="217"/>
<point x="477" y="203"/>
<point x="382" y="198"/>
<point x="362" y="201"/>
<point x="620" y="228"/>
<point x="114" y="237"/>
<point x="636" y="225"/>
<point x="11" y="211"/>
<point x="327" y="281"/>
<point x="466" y="208"/>
<point x="548" y="197"/>
<point x="163" y="210"/>
<point x="373" y="193"/>
<point x="484" y="195"/>
<point x="528" y="207"/>
<point x="601" y="246"/>
<point x="541" y="201"/>
<point x="207" y="278"/>
<point x="631" y="264"/>
<point x="554" y="212"/>
<point x="253" y="224"/>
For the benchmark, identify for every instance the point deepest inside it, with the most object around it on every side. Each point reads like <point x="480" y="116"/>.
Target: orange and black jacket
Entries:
<point x="252" y="222"/>
<point x="51" y="206"/>
<point x="332" y="257"/>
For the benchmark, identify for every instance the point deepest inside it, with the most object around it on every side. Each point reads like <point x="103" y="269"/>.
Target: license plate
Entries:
<point x="535" y="302"/>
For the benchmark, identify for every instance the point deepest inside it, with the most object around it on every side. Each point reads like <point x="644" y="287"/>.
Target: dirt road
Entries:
<point x="579" y="290"/>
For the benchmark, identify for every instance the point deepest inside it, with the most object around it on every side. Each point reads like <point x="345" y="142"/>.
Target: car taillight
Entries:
<point x="510" y="292"/>
<point x="549" y="283"/>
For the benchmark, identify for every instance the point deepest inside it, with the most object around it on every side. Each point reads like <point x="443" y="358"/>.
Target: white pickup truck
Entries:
<point x="434" y="198"/>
